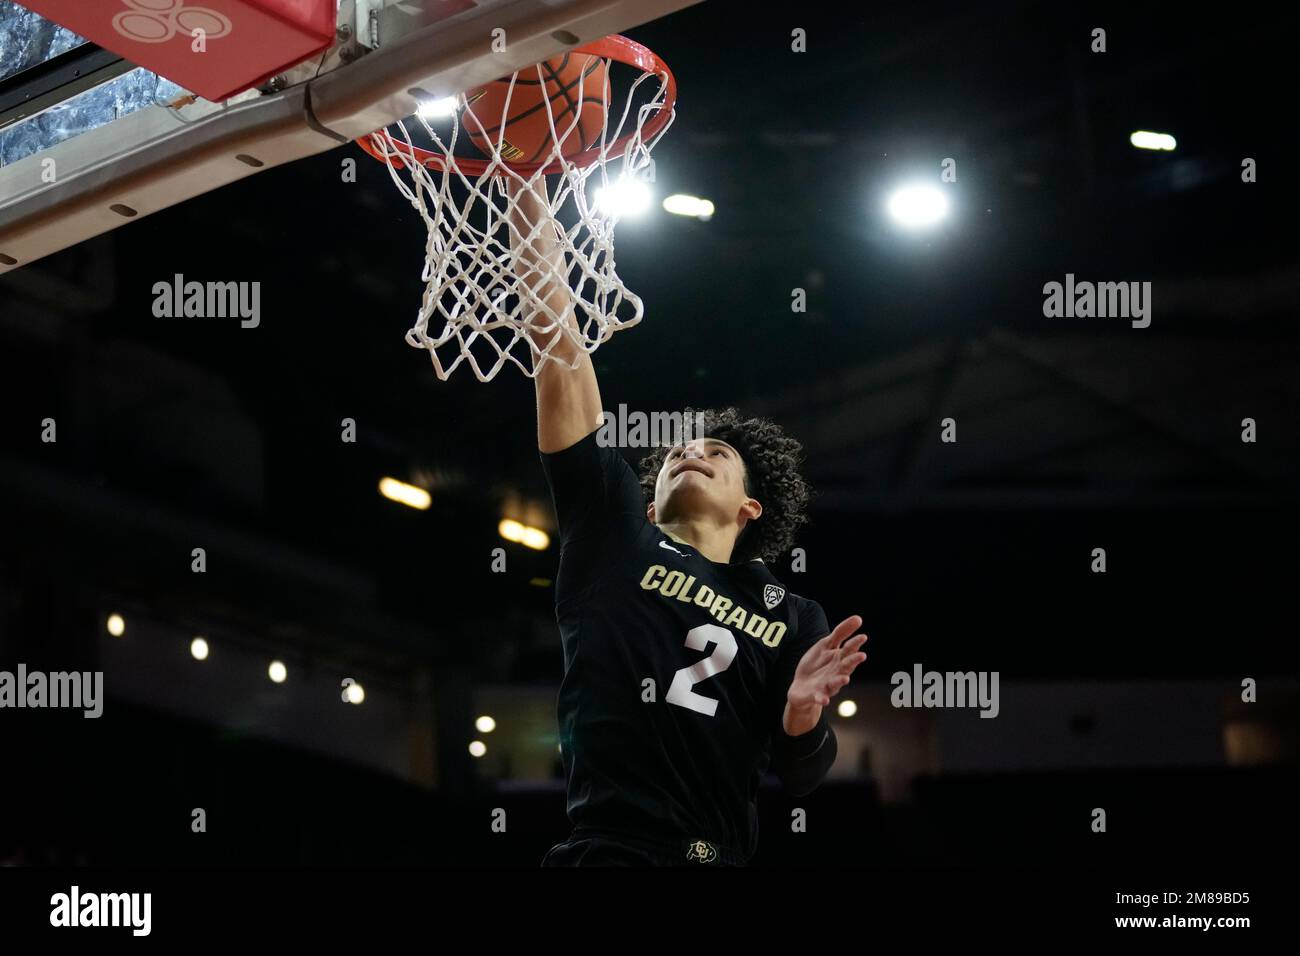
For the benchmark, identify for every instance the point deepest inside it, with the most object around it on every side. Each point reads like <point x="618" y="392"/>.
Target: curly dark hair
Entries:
<point x="771" y="459"/>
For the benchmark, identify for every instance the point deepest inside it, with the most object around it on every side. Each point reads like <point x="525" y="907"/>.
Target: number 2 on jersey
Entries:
<point x="724" y="652"/>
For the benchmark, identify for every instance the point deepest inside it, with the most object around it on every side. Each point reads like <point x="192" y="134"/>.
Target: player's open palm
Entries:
<point x="827" y="665"/>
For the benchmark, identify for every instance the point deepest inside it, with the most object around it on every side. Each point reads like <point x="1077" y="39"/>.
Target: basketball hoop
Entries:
<point x="485" y="289"/>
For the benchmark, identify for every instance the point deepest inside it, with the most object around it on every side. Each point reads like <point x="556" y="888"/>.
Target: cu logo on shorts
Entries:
<point x="701" y="851"/>
<point x="157" y="21"/>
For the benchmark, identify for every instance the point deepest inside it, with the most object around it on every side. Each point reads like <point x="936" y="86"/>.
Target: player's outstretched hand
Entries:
<point x="823" y="670"/>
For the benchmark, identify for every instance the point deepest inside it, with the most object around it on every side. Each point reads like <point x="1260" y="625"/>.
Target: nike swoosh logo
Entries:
<point x="665" y="544"/>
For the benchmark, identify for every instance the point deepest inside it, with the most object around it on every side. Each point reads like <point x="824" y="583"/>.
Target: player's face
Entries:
<point x="706" y="473"/>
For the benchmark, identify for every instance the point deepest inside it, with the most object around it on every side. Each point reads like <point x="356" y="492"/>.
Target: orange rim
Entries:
<point x="615" y="47"/>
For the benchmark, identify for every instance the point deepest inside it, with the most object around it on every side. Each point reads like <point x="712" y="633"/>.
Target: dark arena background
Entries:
<point x="1101" y="513"/>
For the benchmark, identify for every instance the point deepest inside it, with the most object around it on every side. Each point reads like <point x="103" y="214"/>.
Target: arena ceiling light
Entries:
<point x="404" y="494"/>
<point x="439" y="108"/>
<point x="681" y="204"/>
<point x="520" y="533"/>
<point x="915" y="207"/>
<point x="1145" y="139"/>
<point x="626" y="196"/>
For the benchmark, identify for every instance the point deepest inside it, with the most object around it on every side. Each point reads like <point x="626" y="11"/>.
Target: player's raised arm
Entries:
<point x="568" y="400"/>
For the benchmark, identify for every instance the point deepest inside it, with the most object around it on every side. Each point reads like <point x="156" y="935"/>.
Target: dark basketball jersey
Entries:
<point x="676" y="668"/>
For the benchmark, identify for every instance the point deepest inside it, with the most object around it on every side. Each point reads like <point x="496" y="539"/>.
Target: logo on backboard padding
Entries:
<point x="157" y="21"/>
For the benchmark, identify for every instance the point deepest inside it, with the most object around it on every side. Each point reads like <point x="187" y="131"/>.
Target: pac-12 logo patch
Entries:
<point x="773" y="595"/>
<point x="701" y="851"/>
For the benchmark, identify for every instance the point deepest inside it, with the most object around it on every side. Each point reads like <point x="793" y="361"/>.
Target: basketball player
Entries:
<point x="688" y="668"/>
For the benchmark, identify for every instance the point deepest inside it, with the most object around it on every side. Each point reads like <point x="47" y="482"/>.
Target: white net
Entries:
<point x="509" y="259"/>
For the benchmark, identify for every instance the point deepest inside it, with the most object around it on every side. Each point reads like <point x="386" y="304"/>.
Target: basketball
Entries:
<point x="574" y="85"/>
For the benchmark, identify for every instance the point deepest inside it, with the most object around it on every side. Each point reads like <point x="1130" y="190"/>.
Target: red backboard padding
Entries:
<point x="247" y="41"/>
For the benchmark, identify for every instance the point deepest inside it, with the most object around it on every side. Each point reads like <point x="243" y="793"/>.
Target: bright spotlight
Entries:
<point x="535" y="538"/>
<point x="680" y="204"/>
<point x="404" y="494"/>
<point x="440" y="108"/>
<point x="485" y="725"/>
<point x="477" y="748"/>
<point x="847" y="708"/>
<point x="355" y="693"/>
<point x="199" y="649"/>
<point x="626" y="196"/>
<point x="116" y="625"/>
<point x="277" y="672"/>
<point x="915" y="206"/>
<point x="1144" y="139"/>
<point x="520" y="533"/>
